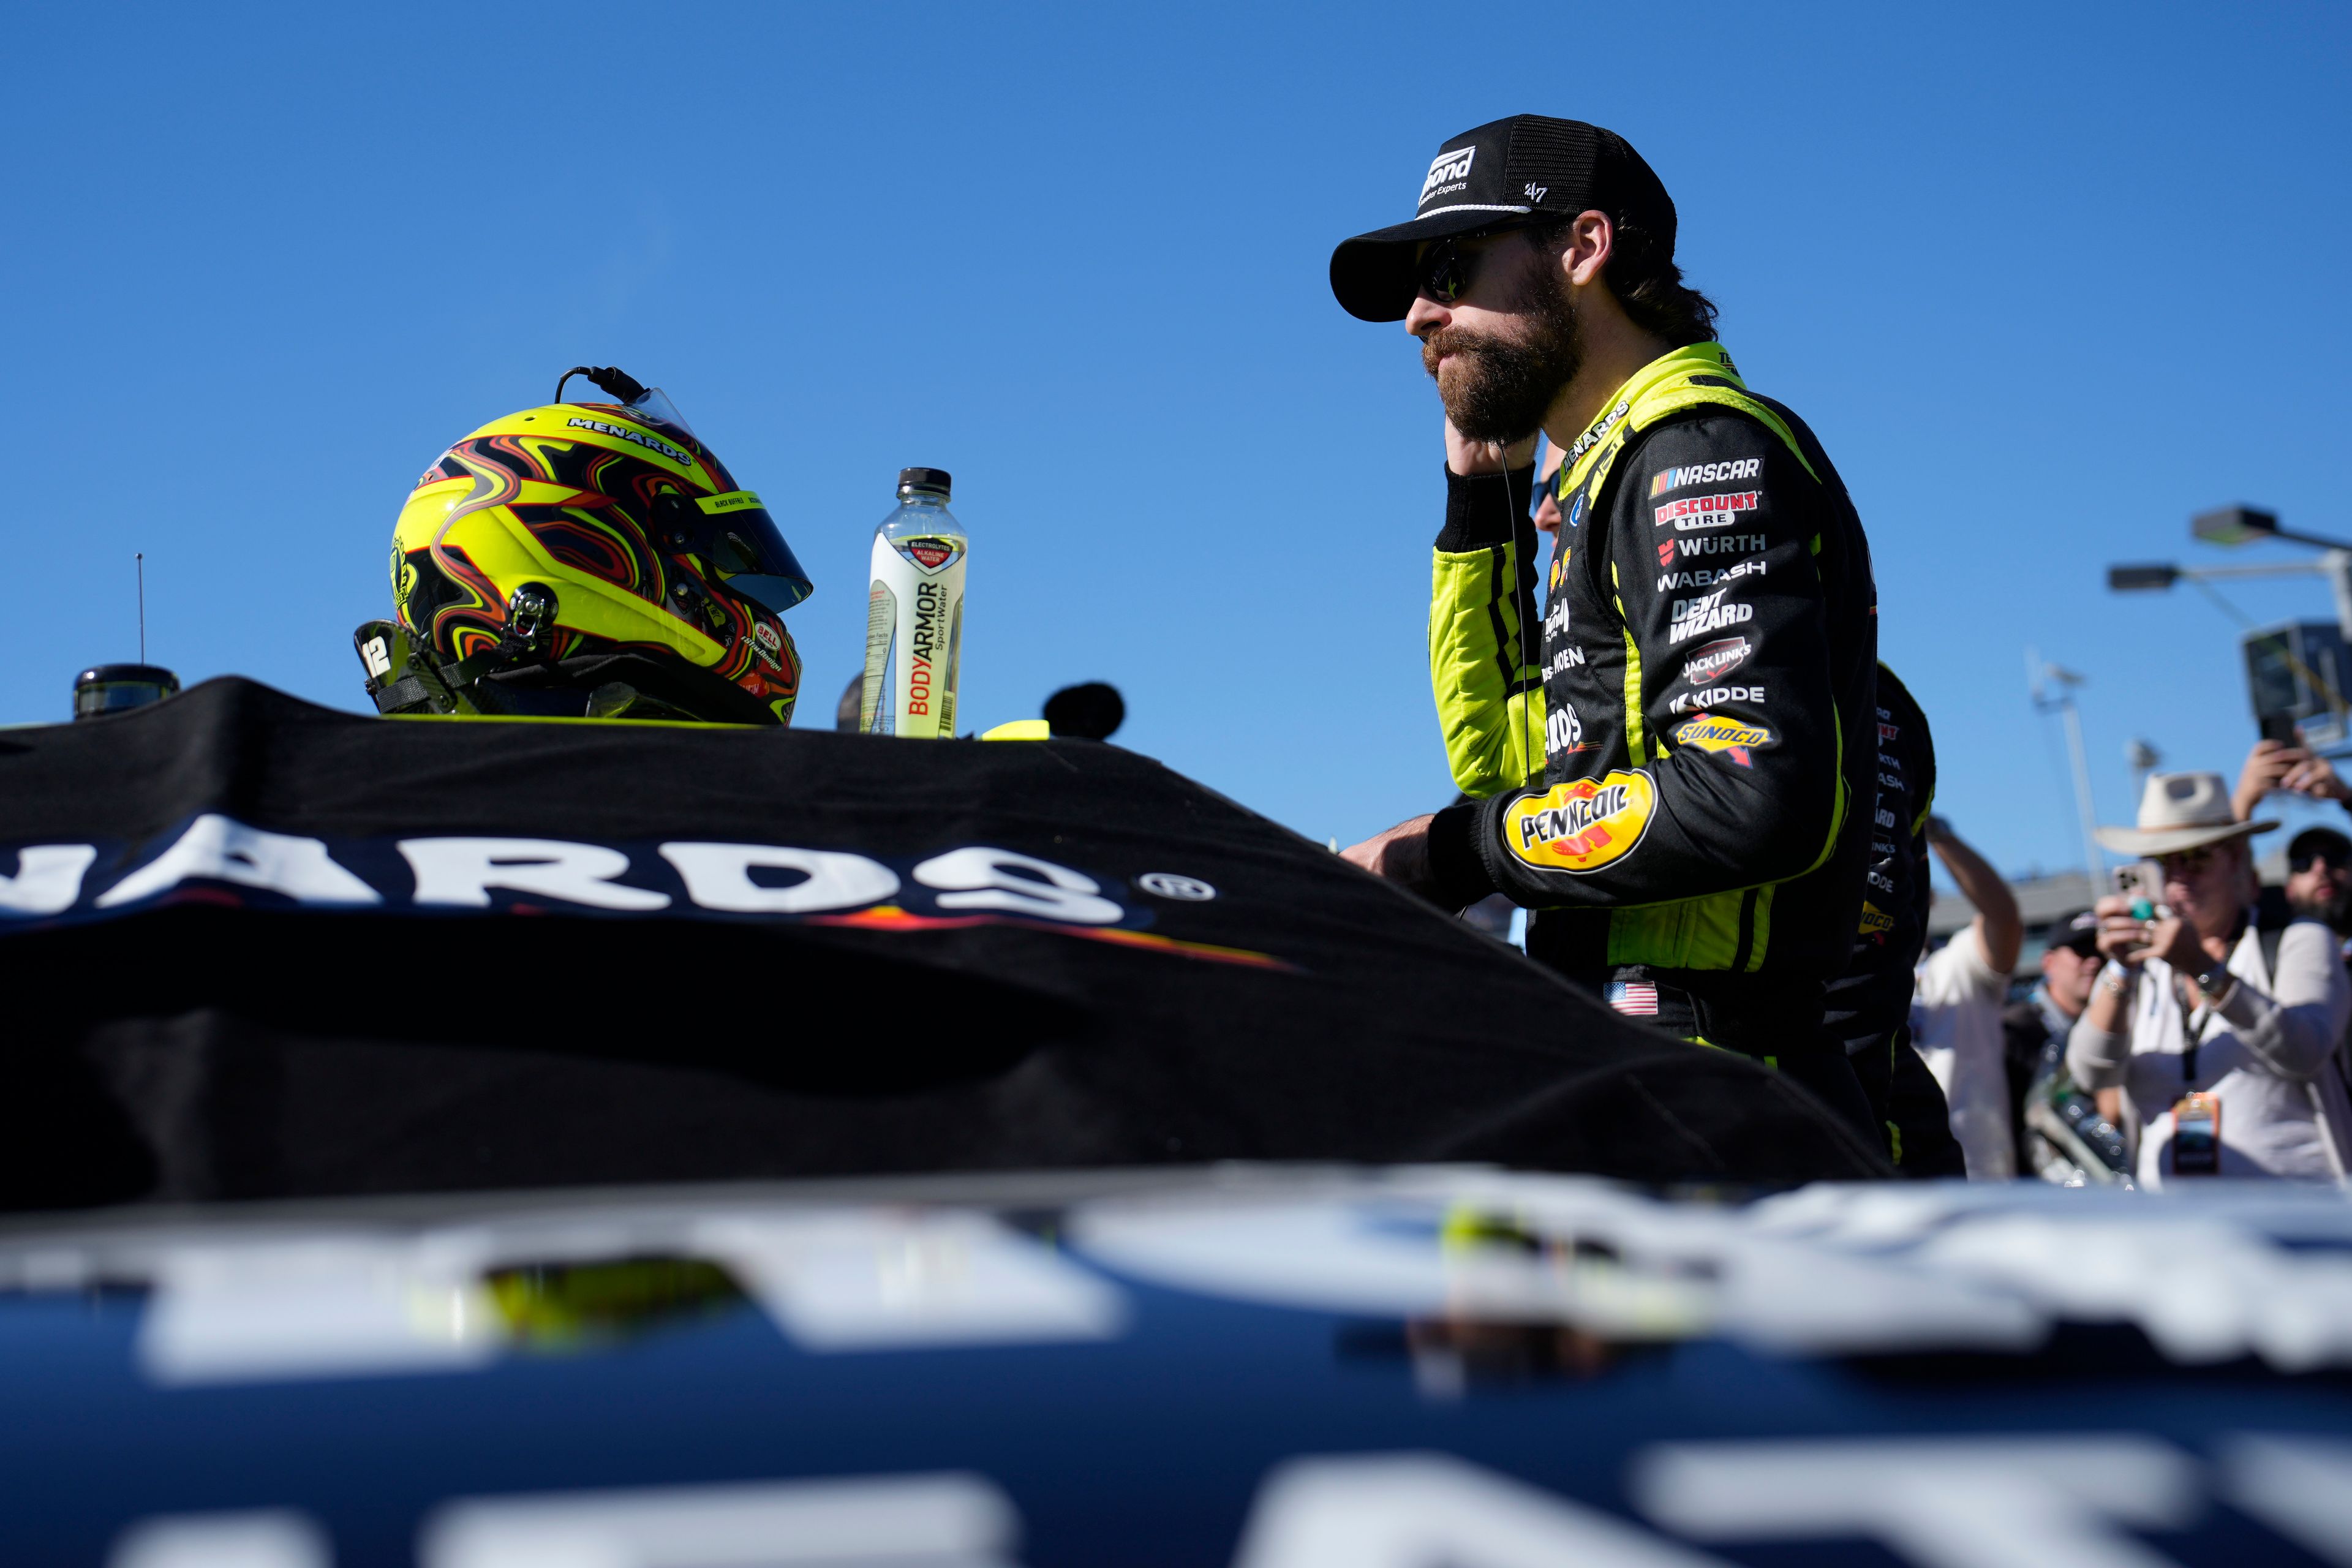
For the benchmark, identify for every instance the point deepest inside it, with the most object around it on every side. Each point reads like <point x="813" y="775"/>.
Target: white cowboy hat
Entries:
<point x="2180" y="811"/>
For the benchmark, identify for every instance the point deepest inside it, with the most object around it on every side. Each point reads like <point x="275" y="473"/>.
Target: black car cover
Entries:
<point x="256" y="948"/>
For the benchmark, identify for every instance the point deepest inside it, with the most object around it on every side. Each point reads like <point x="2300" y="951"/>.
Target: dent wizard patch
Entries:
<point x="1584" y="826"/>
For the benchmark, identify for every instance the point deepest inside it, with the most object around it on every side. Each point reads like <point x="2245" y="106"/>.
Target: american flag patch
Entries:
<point x="1634" y="998"/>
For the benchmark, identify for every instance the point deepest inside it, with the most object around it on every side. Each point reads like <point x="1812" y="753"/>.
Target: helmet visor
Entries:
<point x="735" y="535"/>
<point x="654" y="404"/>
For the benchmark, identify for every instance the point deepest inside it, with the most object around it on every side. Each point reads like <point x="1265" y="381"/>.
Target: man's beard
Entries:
<point x="1498" y="388"/>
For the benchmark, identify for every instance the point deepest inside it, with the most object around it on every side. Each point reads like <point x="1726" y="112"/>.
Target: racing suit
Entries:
<point x="1869" y="1006"/>
<point x="1703" y="702"/>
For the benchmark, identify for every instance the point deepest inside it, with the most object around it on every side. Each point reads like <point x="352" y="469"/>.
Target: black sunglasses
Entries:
<point x="1446" y="271"/>
<point x="2335" y="859"/>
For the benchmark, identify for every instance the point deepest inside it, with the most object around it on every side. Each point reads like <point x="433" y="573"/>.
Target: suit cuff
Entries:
<point x="1484" y="510"/>
<point x="1457" y="873"/>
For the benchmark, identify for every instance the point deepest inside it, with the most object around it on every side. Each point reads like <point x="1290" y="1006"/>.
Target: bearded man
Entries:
<point x="1678" y="779"/>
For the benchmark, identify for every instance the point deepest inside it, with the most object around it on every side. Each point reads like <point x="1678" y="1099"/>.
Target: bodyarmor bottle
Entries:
<point x="914" y="617"/>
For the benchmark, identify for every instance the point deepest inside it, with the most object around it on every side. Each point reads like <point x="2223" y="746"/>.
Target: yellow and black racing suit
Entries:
<point x="1700" y="708"/>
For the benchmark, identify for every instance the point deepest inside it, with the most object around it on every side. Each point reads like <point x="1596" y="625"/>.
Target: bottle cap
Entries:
<point x="934" y="480"/>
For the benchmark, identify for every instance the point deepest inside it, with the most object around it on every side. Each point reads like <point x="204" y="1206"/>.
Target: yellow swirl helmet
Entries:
<point x="588" y="559"/>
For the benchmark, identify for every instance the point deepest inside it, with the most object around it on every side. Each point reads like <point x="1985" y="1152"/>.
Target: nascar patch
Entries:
<point x="1723" y="473"/>
<point x="1727" y="737"/>
<point x="1582" y="826"/>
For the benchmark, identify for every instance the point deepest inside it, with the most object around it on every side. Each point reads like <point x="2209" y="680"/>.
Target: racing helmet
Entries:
<point x="587" y="559"/>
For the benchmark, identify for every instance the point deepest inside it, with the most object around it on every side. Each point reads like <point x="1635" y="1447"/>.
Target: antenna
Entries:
<point x="140" y="558"/>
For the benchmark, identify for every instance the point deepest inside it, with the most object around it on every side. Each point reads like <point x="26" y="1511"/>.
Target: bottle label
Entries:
<point x="931" y="553"/>
<point x="913" y="636"/>
<point x="875" y="708"/>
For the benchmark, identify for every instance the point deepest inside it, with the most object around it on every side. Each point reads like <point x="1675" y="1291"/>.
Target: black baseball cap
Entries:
<point x="2079" y="931"/>
<point x="1512" y="170"/>
<point x="2316" y="841"/>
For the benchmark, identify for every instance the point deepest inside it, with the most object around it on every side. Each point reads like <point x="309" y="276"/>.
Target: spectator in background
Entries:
<point x="1956" y="1009"/>
<point x="2319" y="875"/>
<point x="2221" y="1036"/>
<point x="2063" y="1134"/>
<point x="2318" y="884"/>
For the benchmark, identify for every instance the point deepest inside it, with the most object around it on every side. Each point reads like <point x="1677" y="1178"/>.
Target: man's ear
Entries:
<point x="1586" y="248"/>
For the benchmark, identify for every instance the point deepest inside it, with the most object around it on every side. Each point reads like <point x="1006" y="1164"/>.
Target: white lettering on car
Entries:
<point x="462" y="871"/>
<point x="980" y="879"/>
<point x="221" y="849"/>
<point x="47" y="880"/>
<point x="466" y="872"/>
<point x="719" y="876"/>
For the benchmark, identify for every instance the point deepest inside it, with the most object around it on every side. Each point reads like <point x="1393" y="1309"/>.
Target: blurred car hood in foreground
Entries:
<point x="1275" y="1367"/>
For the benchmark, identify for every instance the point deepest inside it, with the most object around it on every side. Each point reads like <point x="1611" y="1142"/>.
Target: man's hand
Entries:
<point x="1401" y="855"/>
<point x="2177" y="942"/>
<point x="2267" y="768"/>
<point x="2123" y="937"/>
<point x="2131" y="941"/>
<point x="2317" y="777"/>
<point x="1466" y="457"/>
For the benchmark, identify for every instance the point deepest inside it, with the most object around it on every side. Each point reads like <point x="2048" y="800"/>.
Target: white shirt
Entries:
<point x="2267" y="1054"/>
<point x="1956" y="1026"/>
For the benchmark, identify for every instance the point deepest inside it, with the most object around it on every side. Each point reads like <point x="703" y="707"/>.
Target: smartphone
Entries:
<point x="2197" y="1136"/>
<point x="2143" y="883"/>
<point x="2279" y="727"/>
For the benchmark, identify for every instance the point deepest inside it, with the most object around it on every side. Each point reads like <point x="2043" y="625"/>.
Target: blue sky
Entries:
<point x="2045" y="280"/>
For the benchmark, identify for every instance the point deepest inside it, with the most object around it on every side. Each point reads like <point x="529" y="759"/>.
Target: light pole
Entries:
<point x="2038" y="675"/>
<point x="2235" y="525"/>
<point x="2144" y="759"/>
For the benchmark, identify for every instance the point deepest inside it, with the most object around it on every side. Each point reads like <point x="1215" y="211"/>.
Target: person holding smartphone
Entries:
<point x="2220" y="1035"/>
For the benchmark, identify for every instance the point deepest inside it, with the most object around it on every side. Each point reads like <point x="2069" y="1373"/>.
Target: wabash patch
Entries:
<point x="1584" y="826"/>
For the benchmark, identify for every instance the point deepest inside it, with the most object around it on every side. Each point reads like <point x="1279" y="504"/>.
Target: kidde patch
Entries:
<point x="1728" y="736"/>
<point x="1584" y="826"/>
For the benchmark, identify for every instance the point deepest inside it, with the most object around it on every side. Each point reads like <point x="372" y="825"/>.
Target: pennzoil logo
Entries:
<point x="650" y="443"/>
<point x="1584" y="826"/>
<point x="1728" y="737"/>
